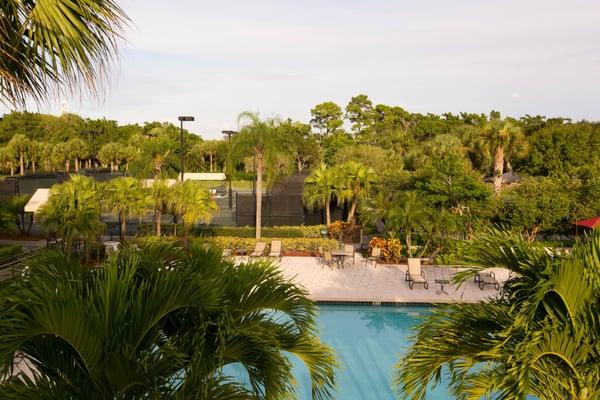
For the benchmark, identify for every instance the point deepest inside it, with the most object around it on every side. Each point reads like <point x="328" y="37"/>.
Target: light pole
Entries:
<point x="229" y="133"/>
<point x="181" y="119"/>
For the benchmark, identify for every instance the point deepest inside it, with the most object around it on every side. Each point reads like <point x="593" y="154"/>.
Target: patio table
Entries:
<point x="442" y="276"/>
<point x="341" y="256"/>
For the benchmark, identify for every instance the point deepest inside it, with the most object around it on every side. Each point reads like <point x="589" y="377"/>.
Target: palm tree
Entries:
<point x="109" y="155"/>
<point x="540" y="338"/>
<point x="499" y="138"/>
<point x="158" y="322"/>
<point x="51" y="47"/>
<point x="319" y="189"/>
<point x="73" y="211"/>
<point x="79" y="150"/>
<point x="261" y="139"/>
<point x="354" y="182"/>
<point x="159" y="198"/>
<point x="7" y="159"/>
<point x="407" y="214"/>
<point x="193" y="203"/>
<point x="125" y="196"/>
<point x="20" y="145"/>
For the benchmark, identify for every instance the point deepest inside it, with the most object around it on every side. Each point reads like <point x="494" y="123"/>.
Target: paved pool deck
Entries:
<point x="383" y="283"/>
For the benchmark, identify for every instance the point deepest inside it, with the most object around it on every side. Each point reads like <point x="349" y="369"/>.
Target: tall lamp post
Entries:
<point x="229" y="133"/>
<point x="181" y="119"/>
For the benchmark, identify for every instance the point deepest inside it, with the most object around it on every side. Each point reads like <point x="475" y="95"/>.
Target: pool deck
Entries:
<point x="383" y="283"/>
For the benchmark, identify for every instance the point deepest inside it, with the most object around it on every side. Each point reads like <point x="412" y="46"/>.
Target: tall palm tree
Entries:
<point x="158" y="322"/>
<point x="20" y="145"/>
<point x="261" y="139"/>
<point x="354" y="182"/>
<point x="48" y="47"/>
<point x="73" y="211"/>
<point x="540" y="338"/>
<point x="193" y="203"/>
<point x="319" y="189"/>
<point x="79" y="150"/>
<point x="109" y="155"/>
<point x="126" y="197"/>
<point x="159" y="198"/>
<point x="499" y="138"/>
<point x="407" y="214"/>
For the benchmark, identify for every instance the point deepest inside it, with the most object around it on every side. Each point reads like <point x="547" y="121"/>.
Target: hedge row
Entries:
<point x="287" y="244"/>
<point x="10" y="250"/>
<point x="294" y="231"/>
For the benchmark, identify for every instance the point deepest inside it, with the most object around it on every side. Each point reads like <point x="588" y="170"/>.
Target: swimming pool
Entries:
<point x="368" y="341"/>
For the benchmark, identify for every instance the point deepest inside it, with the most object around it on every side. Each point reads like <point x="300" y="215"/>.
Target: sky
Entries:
<point x="215" y="59"/>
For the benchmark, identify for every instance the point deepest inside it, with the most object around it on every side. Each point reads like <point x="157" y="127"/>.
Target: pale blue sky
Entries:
<point x="215" y="59"/>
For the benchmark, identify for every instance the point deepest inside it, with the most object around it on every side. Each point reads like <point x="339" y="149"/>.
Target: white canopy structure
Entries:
<point x="203" y="176"/>
<point x="149" y="182"/>
<point x="39" y="198"/>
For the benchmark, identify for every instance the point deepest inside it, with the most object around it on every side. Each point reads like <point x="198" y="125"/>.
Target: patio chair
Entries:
<point x="275" y="249"/>
<point x="414" y="274"/>
<point x="320" y="259"/>
<point x="328" y="259"/>
<point x="259" y="249"/>
<point x="374" y="257"/>
<point x="487" y="278"/>
<point x="349" y="248"/>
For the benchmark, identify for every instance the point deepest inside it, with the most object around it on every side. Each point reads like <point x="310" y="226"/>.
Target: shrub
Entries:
<point x="343" y="229"/>
<point x="284" y="231"/>
<point x="287" y="244"/>
<point x="11" y="250"/>
<point x="391" y="249"/>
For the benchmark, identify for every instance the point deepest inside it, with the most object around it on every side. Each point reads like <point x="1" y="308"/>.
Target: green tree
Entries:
<point x="49" y="47"/>
<point x="79" y="150"/>
<point x="538" y="339"/>
<point x="360" y="112"/>
<point x="501" y="138"/>
<point x="158" y="322"/>
<point x="8" y="162"/>
<point x="20" y="146"/>
<point x="354" y="182"/>
<point x="319" y="190"/>
<point x="193" y="203"/>
<point x="160" y="195"/>
<point x="407" y="214"/>
<point x="539" y="204"/>
<point x="326" y="117"/>
<point x="124" y="196"/>
<point x="73" y="212"/>
<point x="302" y="144"/>
<point x="260" y="138"/>
<point x="128" y="154"/>
<point x="61" y="157"/>
<point x="109" y="154"/>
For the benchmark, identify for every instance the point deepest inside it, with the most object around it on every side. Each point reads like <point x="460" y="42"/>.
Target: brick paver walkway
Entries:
<point x="384" y="283"/>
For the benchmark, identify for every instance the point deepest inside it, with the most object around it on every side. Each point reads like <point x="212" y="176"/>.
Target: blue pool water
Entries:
<point x="369" y="342"/>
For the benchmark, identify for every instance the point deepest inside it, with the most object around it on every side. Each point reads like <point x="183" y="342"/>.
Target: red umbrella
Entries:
<point x="591" y="223"/>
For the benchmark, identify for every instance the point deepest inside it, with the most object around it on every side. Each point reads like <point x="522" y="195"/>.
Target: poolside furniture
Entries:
<point x="275" y="249"/>
<point x="328" y="259"/>
<point x="349" y="248"/>
<point x="442" y="276"/>
<point x="259" y="249"/>
<point x="374" y="257"/>
<point x="487" y="278"/>
<point x="321" y="259"/>
<point x="414" y="274"/>
<point x="341" y="256"/>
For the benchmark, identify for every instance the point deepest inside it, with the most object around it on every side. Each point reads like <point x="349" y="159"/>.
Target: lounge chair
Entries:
<point x="487" y="278"/>
<point x="259" y="249"/>
<point x="374" y="257"/>
<point x="275" y="249"/>
<point x="414" y="274"/>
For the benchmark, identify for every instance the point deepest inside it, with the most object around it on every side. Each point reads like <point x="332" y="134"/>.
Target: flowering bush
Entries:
<point x="391" y="249"/>
<point x="342" y="228"/>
